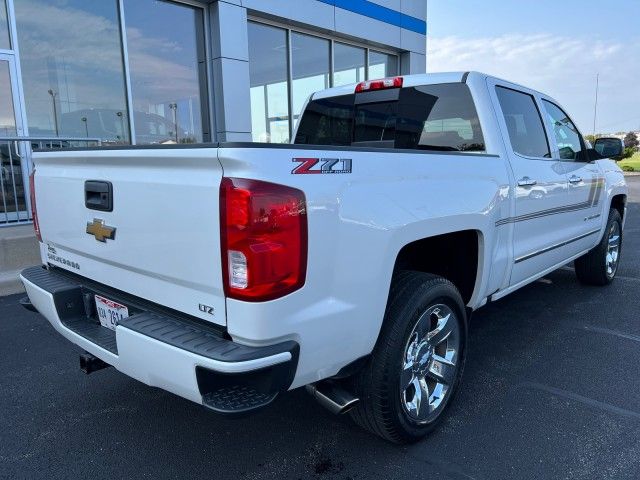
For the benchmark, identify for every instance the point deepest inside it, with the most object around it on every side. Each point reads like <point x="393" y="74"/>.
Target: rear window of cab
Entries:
<point x="438" y="117"/>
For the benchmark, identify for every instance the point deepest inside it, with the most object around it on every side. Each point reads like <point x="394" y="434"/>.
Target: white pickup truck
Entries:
<point x="348" y="262"/>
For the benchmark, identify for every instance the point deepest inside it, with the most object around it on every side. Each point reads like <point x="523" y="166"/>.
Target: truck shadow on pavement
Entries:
<point x="550" y="387"/>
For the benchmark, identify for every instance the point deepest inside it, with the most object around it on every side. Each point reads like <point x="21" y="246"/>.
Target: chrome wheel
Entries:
<point x="613" y="250"/>
<point x="430" y="363"/>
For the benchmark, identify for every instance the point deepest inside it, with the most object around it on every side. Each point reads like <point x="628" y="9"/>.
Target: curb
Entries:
<point x="10" y="283"/>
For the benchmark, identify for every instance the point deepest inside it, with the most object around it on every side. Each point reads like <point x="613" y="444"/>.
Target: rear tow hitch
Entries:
<point x="332" y="396"/>
<point x="90" y="364"/>
<point x="26" y="303"/>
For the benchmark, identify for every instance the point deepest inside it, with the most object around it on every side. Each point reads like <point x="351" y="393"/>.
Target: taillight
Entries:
<point x="264" y="239"/>
<point x="34" y="210"/>
<point x="381" y="84"/>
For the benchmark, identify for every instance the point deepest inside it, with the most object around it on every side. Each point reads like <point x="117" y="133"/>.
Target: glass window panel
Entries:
<point x="432" y="117"/>
<point x="258" y="113"/>
<point x="5" y="39"/>
<point x="327" y="121"/>
<point x="439" y="117"/>
<point x="7" y="114"/>
<point x="163" y="41"/>
<point x="568" y="140"/>
<point x="382" y="65"/>
<point x="309" y="68"/>
<point x="375" y="124"/>
<point x="11" y="180"/>
<point x="524" y="123"/>
<point x="72" y="69"/>
<point x="348" y="64"/>
<point x="268" y="76"/>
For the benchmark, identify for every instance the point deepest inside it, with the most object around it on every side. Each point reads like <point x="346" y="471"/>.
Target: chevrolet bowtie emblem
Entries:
<point x="102" y="232"/>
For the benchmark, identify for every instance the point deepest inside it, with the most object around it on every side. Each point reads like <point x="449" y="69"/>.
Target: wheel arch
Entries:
<point x="619" y="202"/>
<point x="458" y="256"/>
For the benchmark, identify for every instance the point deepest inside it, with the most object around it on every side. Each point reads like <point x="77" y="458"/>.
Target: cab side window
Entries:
<point x="567" y="138"/>
<point x="524" y="123"/>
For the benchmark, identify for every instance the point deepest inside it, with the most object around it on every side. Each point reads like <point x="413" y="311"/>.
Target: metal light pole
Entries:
<point x="174" y="108"/>
<point x="86" y="127"/>
<point x="595" y="105"/>
<point x="55" y="110"/>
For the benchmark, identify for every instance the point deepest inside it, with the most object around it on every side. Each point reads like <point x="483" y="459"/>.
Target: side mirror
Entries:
<point x="609" y="147"/>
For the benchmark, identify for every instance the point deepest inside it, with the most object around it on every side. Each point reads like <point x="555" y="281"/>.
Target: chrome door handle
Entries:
<point x="575" y="179"/>
<point x="526" y="182"/>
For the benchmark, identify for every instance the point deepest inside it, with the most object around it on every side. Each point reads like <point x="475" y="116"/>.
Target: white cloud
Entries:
<point x="563" y="67"/>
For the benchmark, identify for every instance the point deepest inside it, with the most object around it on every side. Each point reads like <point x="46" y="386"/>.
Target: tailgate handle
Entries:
<point x="98" y="195"/>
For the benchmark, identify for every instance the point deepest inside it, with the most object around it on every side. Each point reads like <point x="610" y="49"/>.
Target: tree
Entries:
<point x="631" y="141"/>
<point x="590" y="138"/>
<point x="628" y="153"/>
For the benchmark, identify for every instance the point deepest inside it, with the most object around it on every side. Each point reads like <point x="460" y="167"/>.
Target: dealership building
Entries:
<point x="120" y="72"/>
<point x="148" y="71"/>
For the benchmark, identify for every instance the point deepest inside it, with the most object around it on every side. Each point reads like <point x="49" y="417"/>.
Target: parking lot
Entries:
<point x="551" y="390"/>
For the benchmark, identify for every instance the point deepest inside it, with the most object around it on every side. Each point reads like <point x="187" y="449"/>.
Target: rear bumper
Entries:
<point x="179" y="354"/>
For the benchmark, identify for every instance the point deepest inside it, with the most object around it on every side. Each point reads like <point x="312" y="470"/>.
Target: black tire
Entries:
<point x="382" y="409"/>
<point x="591" y="268"/>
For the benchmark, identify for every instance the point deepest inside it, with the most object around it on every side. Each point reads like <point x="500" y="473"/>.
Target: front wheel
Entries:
<point x="599" y="266"/>
<point x="416" y="366"/>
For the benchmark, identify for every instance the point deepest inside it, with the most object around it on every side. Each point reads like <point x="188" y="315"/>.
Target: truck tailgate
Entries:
<point x="166" y="244"/>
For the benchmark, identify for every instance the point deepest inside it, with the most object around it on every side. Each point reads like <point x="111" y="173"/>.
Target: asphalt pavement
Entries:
<point x="551" y="390"/>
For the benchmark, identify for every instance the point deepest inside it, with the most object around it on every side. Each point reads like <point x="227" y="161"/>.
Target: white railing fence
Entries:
<point x="16" y="166"/>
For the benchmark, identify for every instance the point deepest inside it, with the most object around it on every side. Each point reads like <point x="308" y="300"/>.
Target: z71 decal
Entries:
<point x="321" y="165"/>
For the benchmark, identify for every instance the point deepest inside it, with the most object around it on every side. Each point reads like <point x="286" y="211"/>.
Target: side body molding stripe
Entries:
<point x="553" y="247"/>
<point x="597" y="186"/>
<point x="544" y="213"/>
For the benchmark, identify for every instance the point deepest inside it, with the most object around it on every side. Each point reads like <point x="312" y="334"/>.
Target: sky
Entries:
<point x="557" y="47"/>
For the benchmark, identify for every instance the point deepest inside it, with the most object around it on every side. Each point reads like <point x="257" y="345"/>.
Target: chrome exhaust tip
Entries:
<point x="332" y="397"/>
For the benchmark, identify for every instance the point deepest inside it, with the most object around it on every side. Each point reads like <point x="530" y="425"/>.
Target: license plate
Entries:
<point x="110" y="312"/>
